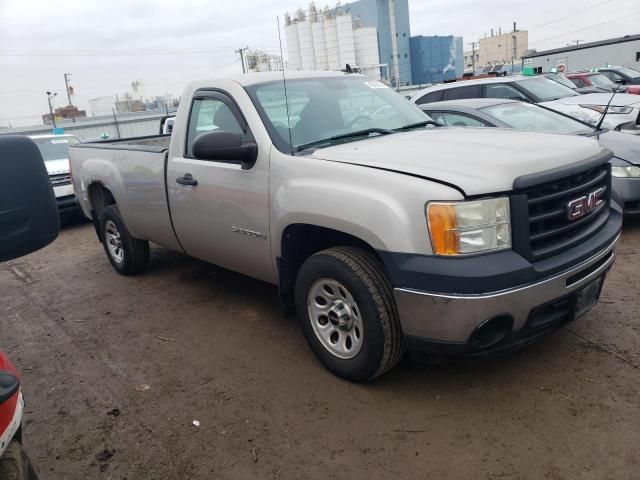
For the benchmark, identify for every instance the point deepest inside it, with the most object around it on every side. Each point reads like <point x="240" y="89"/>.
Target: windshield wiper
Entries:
<point x="357" y="133"/>
<point x="417" y="125"/>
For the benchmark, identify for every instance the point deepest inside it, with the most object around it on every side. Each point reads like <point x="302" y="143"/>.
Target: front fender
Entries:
<point x="384" y="209"/>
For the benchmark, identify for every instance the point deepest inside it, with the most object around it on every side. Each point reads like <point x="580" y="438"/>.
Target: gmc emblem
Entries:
<point x="582" y="206"/>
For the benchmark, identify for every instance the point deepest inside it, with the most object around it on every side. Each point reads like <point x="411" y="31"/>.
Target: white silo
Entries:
<point x="293" y="46"/>
<point x="308" y="59"/>
<point x="395" y="62"/>
<point x="331" y="42"/>
<point x="319" y="43"/>
<point x="345" y="40"/>
<point x="365" y="40"/>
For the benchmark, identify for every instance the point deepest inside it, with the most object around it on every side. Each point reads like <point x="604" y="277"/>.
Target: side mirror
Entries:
<point x="9" y="385"/>
<point x="29" y="218"/>
<point x="225" y="147"/>
<point x="621" y="81"/>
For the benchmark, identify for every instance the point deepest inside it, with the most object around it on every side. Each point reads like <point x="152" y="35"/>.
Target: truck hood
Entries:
<point x="57" y="166"/>
<point x="475" y="160"/>
<point x="621" y="99"/>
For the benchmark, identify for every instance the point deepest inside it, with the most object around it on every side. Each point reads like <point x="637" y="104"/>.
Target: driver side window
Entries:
<point x="501" y="90"/>
<point x="210" y="114"/>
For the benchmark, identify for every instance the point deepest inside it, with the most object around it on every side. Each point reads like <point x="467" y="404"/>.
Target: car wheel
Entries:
<point x="127" y="254"/>
<point x="348" y="314"/>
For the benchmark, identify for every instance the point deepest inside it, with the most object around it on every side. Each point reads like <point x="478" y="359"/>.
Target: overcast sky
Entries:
<point x="106" y="45"/>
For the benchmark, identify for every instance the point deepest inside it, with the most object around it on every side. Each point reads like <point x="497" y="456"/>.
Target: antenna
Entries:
<point x="284" y="83"/>
<point x="606" y="109"/>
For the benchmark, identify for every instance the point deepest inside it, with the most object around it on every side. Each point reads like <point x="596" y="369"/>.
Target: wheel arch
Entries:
<point x="301" y="240"/>
<point x="98" y="197"/>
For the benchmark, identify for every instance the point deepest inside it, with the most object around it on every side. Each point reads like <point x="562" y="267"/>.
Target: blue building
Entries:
<point x="436" y="59"/>
<point x="391" y="18"/>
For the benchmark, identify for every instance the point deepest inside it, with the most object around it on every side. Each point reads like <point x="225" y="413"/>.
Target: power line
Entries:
<point x="564" y="34"/>
<point x="570" y="15"/>
<point x="117" y="53"/>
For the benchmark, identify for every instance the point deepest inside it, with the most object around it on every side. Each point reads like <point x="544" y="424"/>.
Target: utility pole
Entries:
<point x="473" y="55"/>
<point x="66" y="86"/>
<point x="241" y="52"/>
<point x="49" y="97"/>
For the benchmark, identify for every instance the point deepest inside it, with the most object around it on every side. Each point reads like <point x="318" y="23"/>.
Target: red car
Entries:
<point x="596" y="79"/>
<point x="14" y="464"/>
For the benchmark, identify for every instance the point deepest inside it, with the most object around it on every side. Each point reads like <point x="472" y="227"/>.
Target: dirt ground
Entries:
<point x="116" y="370"/>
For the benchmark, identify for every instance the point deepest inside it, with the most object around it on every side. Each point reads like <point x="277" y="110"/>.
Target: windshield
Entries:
<point x="544" y="89"/>
<point x="629" y="72"/>
<point x="55" y="148"/>
<point x="525" y="116"/>
<point x="562" y="80"/>
<point x="600" y="80"/>
<point x="322" y="108"/>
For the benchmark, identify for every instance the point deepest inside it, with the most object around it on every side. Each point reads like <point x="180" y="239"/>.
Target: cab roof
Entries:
<point x="248" y="79"/>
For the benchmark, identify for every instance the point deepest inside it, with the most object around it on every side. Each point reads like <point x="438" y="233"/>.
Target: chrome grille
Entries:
<point x="60" y="179"/>
<point x="550" y="229"/>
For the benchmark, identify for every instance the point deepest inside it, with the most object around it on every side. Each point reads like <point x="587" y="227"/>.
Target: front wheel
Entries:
<point x="128" y="255"/>
<point x="348" y="314"/>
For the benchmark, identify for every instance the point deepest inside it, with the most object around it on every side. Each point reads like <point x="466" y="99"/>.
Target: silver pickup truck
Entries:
<point x="384" y="232"/>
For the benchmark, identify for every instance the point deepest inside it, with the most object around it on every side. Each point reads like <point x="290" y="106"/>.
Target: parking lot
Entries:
<point x="117" y="369"/>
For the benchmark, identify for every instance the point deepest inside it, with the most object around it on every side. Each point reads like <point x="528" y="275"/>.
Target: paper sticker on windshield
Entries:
<point x="59" y="141"/>
<point x="375" y="85"/>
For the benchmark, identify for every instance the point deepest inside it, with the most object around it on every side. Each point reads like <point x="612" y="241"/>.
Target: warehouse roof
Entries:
<point x="582" y="46"/>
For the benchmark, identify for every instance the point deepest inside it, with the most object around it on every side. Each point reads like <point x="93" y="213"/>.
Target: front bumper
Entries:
<point x="452" y="319"/>
<point x="14" y="424"/>
<point x="627" y="193"/>
<point x="68" y="204"/>
<point x="453" y="306"/>
<point x="66" y="199"/>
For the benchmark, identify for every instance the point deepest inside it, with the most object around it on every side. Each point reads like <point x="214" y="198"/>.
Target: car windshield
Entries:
<point x="321" y="108"/>
<point x="562" y="80"/>
<point x="54" y="148"/>
<point x="544" y="89"/>
<point x="525" y="116"/>
<point x="600" y="80"/>
<point x="629" y="72"/>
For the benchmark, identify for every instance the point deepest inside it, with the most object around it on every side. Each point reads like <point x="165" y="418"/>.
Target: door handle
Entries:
<point x="187" y="179"/>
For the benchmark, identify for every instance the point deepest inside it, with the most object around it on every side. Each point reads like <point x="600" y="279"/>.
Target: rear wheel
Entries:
<point x="15" y="464"/>
<point x="128" y="255"/>
<point x="348" y="314"/>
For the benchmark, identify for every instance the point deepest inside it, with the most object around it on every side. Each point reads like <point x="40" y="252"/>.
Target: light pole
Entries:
<point x="49" y="97"/>
<point x="68" y="89"/>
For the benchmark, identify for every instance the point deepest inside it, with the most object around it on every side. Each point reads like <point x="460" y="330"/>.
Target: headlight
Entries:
<point x="462" y="228"/>
<point x="630" y="171"/>
<point x="612" y="108"/>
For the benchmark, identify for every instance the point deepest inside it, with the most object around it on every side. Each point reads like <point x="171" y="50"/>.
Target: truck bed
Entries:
<point x="133" y="170"/>
<point x="152" y="143"/>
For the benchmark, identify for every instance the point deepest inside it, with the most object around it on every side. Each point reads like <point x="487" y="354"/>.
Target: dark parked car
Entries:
<point x="621" y="75"/>
<point x="491" y="112"/>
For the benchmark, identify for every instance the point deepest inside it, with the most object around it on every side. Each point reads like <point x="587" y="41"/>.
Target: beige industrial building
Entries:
<point x="469" y="62"/>
<point x="503" y="48"/>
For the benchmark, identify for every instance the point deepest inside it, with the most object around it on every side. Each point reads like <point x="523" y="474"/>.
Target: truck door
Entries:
<point x="219" y="211"/>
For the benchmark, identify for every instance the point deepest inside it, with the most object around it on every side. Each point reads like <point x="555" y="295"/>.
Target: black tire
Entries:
<point x="362" y="275"/>
<point x="15" y="464"/>
<point x="134" y="252"/>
